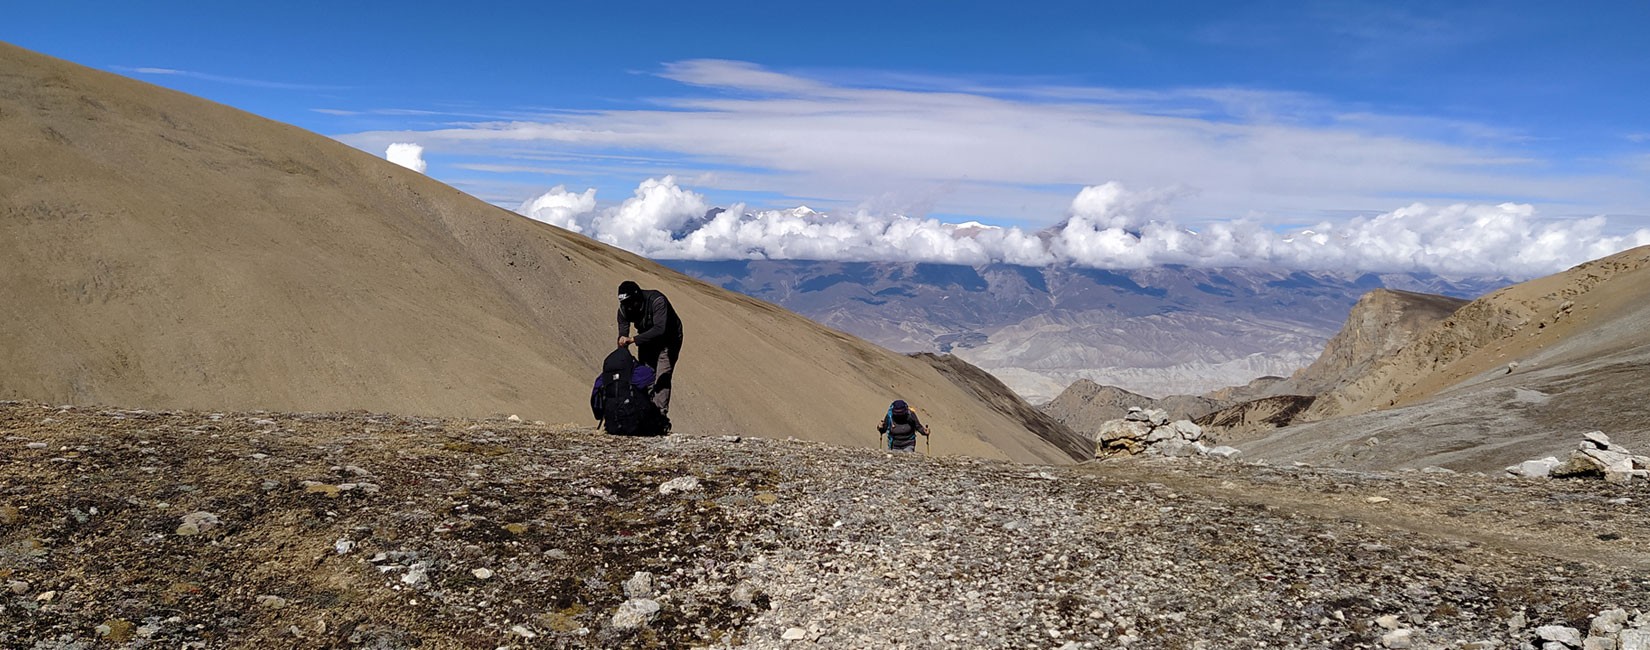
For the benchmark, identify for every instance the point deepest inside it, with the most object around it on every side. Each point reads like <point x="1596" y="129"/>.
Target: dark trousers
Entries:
<point x="663" y="362"/>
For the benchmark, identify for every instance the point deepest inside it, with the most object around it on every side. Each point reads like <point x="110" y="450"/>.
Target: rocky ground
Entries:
<point x="143" y="529"/>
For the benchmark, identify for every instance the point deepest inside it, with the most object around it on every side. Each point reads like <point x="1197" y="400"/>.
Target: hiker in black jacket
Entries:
<point x="658" y="337"/>
<point x="901" y="427"/>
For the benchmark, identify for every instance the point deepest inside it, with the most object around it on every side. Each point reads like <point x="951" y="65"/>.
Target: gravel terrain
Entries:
<point x="144" y="529"/>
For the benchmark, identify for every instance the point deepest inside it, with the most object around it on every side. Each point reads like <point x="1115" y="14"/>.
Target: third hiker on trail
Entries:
<point x="901" y="426"/>
<point x="658" y="337"/>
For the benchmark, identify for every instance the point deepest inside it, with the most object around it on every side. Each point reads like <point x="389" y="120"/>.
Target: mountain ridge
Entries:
<point x="167" y="252"/>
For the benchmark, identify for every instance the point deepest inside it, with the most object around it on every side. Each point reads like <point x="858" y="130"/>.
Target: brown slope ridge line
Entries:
<point x="164" y="251"/>
<point x="1507" y="326"/>
<point x="1517" y="374"/>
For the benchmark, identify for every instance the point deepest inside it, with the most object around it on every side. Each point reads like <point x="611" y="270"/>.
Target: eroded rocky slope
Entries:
<point x="182" y="529"/>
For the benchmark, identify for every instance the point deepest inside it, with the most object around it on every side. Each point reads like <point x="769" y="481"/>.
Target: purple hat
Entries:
<point x="900" y="407"/>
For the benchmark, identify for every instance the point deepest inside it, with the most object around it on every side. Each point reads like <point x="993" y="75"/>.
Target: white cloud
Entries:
<point x="407" y="154"/>
<point x="560" y="207"/>
<point x="1016" y="152"/>
<point x="1108" y="226"/>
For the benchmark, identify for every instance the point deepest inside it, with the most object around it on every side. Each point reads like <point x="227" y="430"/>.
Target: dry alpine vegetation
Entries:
<point x="353" y="530"/>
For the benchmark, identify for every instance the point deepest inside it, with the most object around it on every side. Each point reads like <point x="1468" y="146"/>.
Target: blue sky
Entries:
<point x="1291" y="114"/>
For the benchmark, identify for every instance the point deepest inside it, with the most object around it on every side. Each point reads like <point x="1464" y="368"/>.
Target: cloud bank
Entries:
<point x="1017" y="150"/>
<point x="407" y="154"/>
<point x="1106" y="226"/>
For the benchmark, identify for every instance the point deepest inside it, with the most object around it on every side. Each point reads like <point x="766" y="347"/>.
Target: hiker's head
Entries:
<point x="900" y="407"/>
<point x="630" y="296"/>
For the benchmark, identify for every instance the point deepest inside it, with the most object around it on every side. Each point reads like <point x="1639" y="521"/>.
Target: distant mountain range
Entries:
<point x="1155" y="331"/>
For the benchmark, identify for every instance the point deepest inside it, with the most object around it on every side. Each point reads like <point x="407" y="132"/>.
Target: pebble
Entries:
<point x="1563" y="634"/>
<point x="682" y="484"/>
<point x="196" y="523"/>
<point x="343" y="546"/>
<point x="635" y="613"/>
<point x="639" y="585"/>
<point x="1373" y="500"/>
<point x="416" y="573"/>
<point x="36" y="445"/>
<point x="272" y="602"/>
<point x="794" y="634"/>
<point x="1398" y="638"/>
<point x="514" y="418"/>
<point x="18" y="587"/>
<point x="482" y="573"/>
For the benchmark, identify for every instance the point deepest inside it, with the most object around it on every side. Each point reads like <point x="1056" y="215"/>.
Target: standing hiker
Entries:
<point x="658" y="337"/>
<point x="901" y="427"/>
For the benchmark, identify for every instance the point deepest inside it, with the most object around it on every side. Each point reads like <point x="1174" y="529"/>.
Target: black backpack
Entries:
<point x="626" y="408"/>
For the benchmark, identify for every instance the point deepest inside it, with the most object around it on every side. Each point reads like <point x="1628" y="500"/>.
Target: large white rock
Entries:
<point x="1224" y="451"/>
<point x="1563" y="634"/>
<point x="1597" y="438"/>
<point x="1187" y="430"/>
<point x="1633" y="640"/>
<point x="635" y="613"/>
<point x="1116" y="429"/>
<point x="1541" y="468"/>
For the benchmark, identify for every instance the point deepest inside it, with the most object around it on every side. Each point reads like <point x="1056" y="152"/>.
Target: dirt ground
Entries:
<point x="138" y="529"/>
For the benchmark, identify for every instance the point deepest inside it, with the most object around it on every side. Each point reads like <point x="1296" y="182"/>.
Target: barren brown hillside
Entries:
<point x="1517" y="374"/>
<point x="1380" y="324"/>
<point x="162" y="251"/>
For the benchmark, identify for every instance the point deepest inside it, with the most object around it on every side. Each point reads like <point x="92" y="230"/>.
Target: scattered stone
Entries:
<point x="794" y="634"/>
<point x="1388" y="621"/>
<point x="1562" y="634"/>
<point x="1223" y="451"/>
<point x="730" y="438"/>
<point x="1608" y="622"/>
<point x="1400" y="638"/>
<point x="18" y="587"/>
<point x="272" y="602"/>
<point x="482" y="574"/>
<point x="1636" y="639"/>
<point x="416" y="573"/>
<point x="516" y="528"/>
<point x="639" y="585"/>
<point x="46" y="597"/>
<point x="1541" y="468"/>
<point x="343" y="546"/>
<point x="635" y="613"/>
<point x="196" y="523"/>
<point x="682" y="484"/>
<point x="1375" y="500"/>
<point x="36" y="445"/>
<point x="514" y="418"/>
<point x="523" y="632"/>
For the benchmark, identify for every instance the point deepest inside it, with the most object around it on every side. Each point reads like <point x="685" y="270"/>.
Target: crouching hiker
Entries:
<point x="622" y="398"/>
<point x="901" y="427"/>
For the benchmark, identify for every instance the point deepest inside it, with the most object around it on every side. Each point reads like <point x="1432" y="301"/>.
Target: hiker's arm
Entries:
<point x="624" y="326"/>
<point x="661" y="316"/>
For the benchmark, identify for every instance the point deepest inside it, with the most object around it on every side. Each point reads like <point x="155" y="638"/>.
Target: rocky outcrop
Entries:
<point x="1596" y="457"/>
<point x="1150" y="432"/>
<point x="1085" y="405"/>
<point x="1492" y="335"/>
<point x="1256" y="417"/>
<point x="1381" y="323"/>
